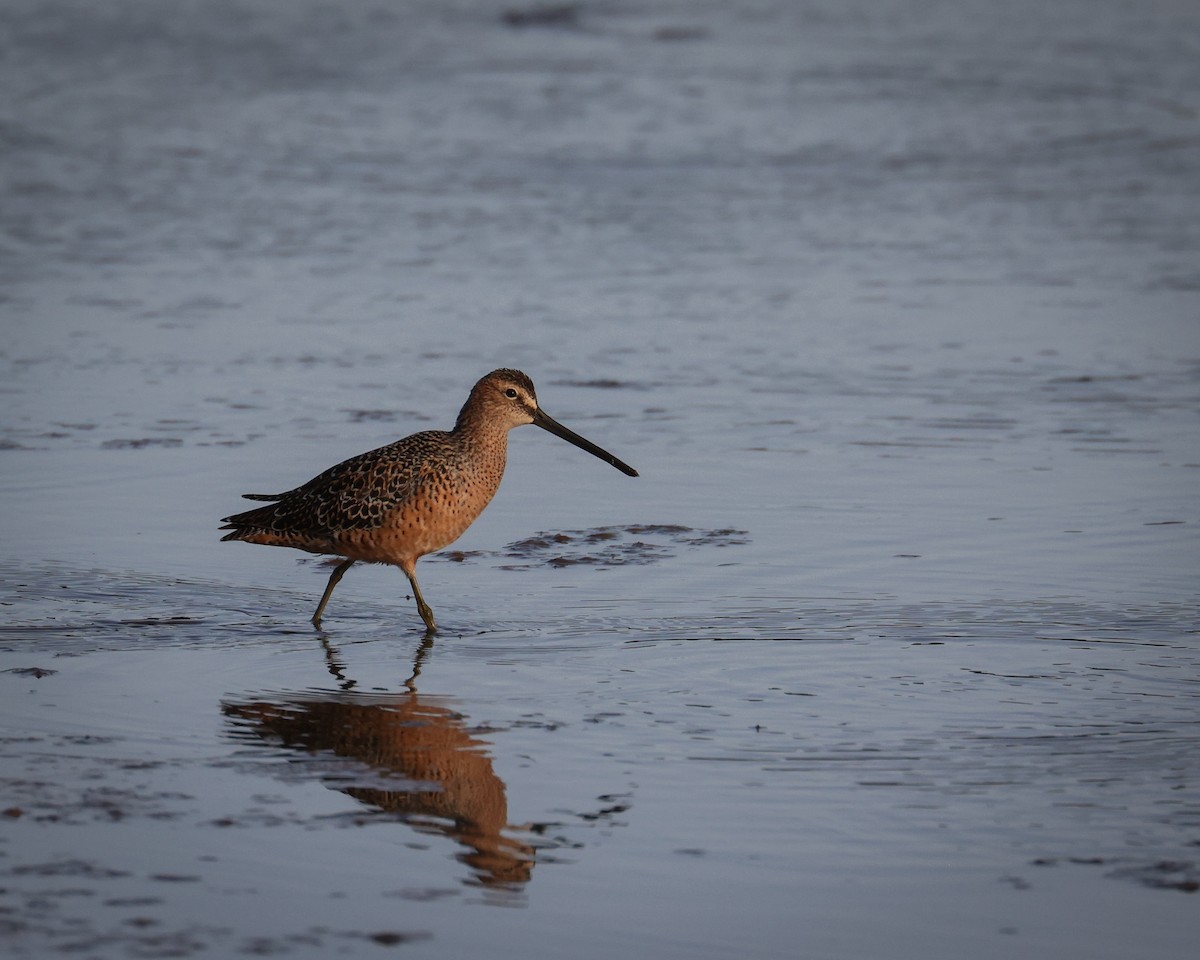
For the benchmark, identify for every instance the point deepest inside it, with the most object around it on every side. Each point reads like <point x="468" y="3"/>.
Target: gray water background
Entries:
<point x="890" y="651"/>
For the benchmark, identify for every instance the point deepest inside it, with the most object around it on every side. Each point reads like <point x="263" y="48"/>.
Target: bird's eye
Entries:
<point x="511" y="393"/>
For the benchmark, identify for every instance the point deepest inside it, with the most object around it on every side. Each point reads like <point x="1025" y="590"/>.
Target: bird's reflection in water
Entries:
<point x="423" y="762"/>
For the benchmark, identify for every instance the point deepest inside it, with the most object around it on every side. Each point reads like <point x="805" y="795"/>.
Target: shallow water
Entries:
<point x="892" y="648"/>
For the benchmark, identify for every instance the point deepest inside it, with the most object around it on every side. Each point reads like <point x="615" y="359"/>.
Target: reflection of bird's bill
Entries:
<point x="548" y="423"/>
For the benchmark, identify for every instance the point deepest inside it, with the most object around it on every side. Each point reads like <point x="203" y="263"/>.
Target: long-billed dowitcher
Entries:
<point x="409" y="498"/>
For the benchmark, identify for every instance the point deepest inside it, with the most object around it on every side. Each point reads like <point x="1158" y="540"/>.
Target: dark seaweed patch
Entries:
<point x="612" y="546"/>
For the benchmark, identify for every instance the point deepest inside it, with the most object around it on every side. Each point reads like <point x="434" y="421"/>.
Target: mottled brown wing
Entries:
<point x="354" y="495"/>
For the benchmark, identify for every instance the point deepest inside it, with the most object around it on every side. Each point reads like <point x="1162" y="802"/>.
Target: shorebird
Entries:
<point x="401" y="501"/>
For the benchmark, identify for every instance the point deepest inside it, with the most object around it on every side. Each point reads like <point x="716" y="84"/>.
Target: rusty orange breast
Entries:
<point x="450" y="493"/>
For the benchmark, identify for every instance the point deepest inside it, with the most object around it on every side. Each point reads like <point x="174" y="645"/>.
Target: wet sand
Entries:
<point x="891" y="650"/>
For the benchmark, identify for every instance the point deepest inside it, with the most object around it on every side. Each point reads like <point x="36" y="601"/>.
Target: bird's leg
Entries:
<point x="423" y="608"/>
<point x="334" y="577"/>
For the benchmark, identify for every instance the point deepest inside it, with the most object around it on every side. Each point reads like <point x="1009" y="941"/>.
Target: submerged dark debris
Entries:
<point x="36" y="672"/>
<point x="1181" y="875"/>
<point x="612" y="546"/>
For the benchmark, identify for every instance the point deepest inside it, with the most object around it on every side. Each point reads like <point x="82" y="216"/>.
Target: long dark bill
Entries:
<point x="547" y="422"/>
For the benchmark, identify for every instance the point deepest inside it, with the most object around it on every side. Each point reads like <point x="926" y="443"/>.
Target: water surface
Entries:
<point x="890" y="650"/>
